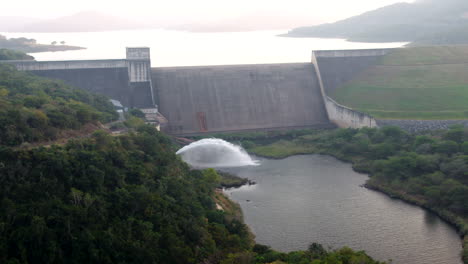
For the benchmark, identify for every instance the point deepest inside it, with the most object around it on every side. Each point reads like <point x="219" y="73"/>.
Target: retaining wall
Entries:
<point x="346" y="117"/>
<point x="336" y="67"/>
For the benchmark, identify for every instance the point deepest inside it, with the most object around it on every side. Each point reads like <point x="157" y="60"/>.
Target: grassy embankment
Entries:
<point x="429" y="170"/>
<point x="413" y="83"/>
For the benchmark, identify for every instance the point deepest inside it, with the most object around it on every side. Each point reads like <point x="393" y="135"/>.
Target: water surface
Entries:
<point x="313" y="198"/>
<point x="178" y="48"/>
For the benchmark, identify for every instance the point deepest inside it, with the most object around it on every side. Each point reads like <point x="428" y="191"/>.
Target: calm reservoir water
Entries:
<point x="178" y="48"/>
<point x="313" y="198"/>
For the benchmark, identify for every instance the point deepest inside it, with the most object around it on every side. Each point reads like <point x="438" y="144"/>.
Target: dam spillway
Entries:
<point x="239" y="97"/>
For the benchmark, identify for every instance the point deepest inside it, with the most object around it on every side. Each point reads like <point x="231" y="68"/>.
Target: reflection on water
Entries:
<point x="431" y="219"/>
<point x="311" y="198"/>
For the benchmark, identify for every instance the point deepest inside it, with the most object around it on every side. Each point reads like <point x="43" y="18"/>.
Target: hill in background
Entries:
<point x="81" y="22"/>
<point x="423" y="22"/>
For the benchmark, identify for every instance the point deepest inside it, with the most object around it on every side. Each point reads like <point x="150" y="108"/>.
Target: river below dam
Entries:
<point x="314" y="198"/>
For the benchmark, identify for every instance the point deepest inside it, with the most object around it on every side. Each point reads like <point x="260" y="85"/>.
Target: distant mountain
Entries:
<point x="243" y="23"/>
<point x="12" y="23"/>
<point x="80" y="22"/>
<point x="428" y="21"/>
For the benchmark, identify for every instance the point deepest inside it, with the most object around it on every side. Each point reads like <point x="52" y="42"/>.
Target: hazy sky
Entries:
<point x="196" y="10"/>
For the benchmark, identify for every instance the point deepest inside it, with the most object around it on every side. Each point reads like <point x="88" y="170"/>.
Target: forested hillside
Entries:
<point x="37" y="109"/>
<point x="112" y="199"/>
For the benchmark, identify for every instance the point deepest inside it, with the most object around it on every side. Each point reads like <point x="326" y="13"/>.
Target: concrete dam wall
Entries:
<point x="241" y="97"/>
<point x="127" y="80"/>
<point x="337" y="67"/>
<point x="112" y="82"/>
<point x="223" y="98"/>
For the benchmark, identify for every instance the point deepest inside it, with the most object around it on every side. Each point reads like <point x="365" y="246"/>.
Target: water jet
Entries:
<point x="215" y="153"/>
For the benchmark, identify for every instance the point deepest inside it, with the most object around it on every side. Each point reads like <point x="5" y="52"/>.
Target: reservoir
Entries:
<point x="314" y="198"/>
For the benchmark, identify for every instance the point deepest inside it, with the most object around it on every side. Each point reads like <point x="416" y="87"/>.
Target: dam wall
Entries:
<point x="126" y="80"/>
<point x="346" y="117"/>
<point x="239" y="97"/>
<point x="337" y="67"/>
<point x="223" y="98"/>
<point x="112" y="82"/>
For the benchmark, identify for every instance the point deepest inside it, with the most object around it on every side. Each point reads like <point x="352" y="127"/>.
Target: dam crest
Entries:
<point x="203" y="99"/>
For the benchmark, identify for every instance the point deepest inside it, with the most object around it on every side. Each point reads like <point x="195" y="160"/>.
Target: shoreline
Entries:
<point x="457" y="222"/>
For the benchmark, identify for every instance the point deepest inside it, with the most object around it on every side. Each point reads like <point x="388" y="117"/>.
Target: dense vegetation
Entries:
<point x="6" y="54"/>
<point x="36" y="109"/>
<point x="107" y="199"/>
<point x="430" y="170"/>
<point x="412" y="83"/>
<point x="125" y="199"/>
<point x="31" y="45"/>
<point x="113" y="199"/>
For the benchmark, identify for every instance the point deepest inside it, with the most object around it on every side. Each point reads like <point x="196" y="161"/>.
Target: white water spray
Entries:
<point x="215" y="153"/>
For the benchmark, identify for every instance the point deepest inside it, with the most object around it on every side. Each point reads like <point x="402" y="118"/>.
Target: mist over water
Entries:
<point x="215" y="153"/>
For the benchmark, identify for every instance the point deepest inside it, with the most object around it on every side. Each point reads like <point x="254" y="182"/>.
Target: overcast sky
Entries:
<point x="196" y="10"/>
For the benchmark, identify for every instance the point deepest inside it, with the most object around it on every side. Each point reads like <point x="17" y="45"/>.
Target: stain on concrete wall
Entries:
<point x="240" y="97"/>
<point x="346" y="117"/>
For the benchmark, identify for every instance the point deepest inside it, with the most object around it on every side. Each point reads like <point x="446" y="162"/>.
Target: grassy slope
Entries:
<point x="413" y="83"/>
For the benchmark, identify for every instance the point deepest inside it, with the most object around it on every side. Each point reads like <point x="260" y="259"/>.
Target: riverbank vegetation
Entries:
<point x="229" y="180"/>
<point x="126" y="199"/>
<point x="111" y="200"/>
<point x="429" y="169"/>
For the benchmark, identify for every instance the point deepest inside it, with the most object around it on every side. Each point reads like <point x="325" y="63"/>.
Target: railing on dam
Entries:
<point x="67" y="65"/>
